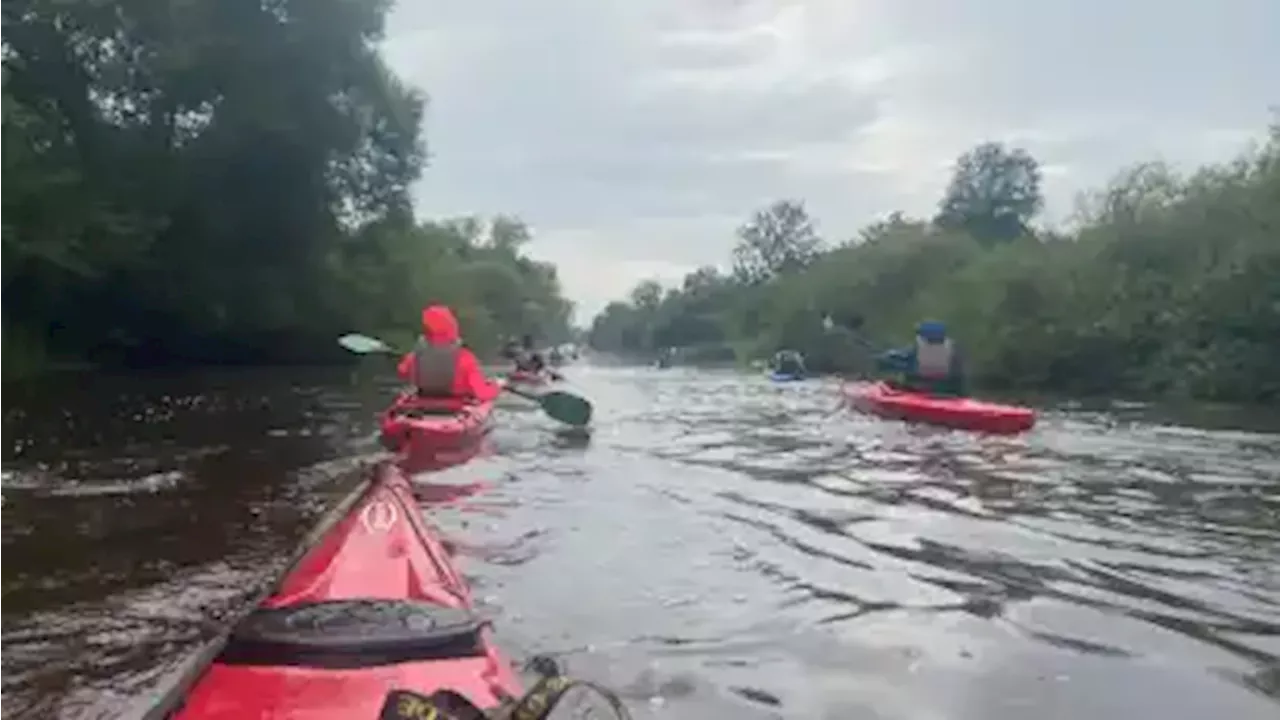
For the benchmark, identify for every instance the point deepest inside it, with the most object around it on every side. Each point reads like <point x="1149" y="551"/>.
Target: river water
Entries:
<point x="720" y="547"/>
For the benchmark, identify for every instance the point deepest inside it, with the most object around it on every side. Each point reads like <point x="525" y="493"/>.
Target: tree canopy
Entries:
<point x="993" y="194"/>
<point x="776" y="240"/>
<point x="229" y="181"/>
<point x="1166" y="284"/>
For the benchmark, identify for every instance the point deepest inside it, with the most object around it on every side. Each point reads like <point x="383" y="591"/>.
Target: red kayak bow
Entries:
<point x="372" y="604"/>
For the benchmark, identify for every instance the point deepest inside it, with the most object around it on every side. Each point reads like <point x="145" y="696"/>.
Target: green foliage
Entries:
<point x="778" y="239"/>
<point x="1166" y="285"/>
<point x="229" y="181"/>
<point x="993" y="193"/>
<point x="24" y="354"/>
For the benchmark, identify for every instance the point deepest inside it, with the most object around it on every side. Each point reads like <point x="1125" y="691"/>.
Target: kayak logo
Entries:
<point x="379" y="516"/>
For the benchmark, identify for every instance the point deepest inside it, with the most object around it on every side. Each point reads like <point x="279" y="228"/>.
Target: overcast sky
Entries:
<point x="635" y="135"/>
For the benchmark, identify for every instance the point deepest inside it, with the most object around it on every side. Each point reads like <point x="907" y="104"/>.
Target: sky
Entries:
<point x="634" y="136"/>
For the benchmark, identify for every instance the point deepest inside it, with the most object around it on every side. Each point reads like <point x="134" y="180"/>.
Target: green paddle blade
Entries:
<point x="363" y="344"/>
<point x="565" y="407"/>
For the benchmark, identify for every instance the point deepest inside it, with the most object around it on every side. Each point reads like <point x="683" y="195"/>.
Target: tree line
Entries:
<point x="229" y="182"/>
<point x="1162" y="284"/>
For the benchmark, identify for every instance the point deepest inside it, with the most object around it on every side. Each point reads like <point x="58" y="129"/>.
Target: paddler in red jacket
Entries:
<point x="439" y="366"/>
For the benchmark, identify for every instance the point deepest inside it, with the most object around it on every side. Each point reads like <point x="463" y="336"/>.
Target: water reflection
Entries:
<point x="717" y="546"/>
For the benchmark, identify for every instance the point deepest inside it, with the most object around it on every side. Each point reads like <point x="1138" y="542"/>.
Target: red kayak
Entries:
<point x="525" y="377"/>
<point x="371" y="605"/>
<point x="421" y="426"/>
<point x="878" y="398"/>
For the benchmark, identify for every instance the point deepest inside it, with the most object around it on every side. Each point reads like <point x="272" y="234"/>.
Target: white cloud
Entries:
<point x="635" y="136"/>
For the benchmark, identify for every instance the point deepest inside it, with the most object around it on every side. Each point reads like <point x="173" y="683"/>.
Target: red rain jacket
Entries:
<point x="440" y="327"/>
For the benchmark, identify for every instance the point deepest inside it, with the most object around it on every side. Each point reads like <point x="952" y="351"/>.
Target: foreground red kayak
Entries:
<point x="423" y="426"/>
<point x="372" y="605"/>
<point x="878" y="398"/>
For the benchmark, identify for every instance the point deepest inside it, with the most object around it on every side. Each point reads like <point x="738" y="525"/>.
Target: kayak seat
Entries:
<point x="354" y="633"/>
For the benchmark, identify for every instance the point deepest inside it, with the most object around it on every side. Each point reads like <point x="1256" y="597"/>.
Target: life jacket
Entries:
<point x="933" y="360"/>
<point x="434" y="368"/>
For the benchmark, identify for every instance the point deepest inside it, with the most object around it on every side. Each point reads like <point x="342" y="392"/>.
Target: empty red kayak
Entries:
<point x="372" y="605"/>
<point x="878" y="398"/>
<point x="422" y="426"/>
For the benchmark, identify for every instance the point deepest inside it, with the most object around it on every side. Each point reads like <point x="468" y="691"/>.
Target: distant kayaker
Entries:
<point x="931" y="365"/>
<point x="528" y="359"/>
<point x="439" y="366"/>
<point x="789" y="362"/>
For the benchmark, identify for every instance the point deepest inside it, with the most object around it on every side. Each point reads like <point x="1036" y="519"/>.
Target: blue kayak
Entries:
<point x="784" y="377"/>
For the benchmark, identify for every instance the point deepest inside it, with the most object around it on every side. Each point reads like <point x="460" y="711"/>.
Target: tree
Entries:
<point x="509" y="234"/>
<point x="229" y="182"/>
<point x="646" y="296"/>
<point x="702" y="281"/>
<point x="993" y="194"/>
<point x="897" y="224"/>
<point x="778" y="239"/>
<point x="1168" y="284"/>
<point x="615" y="329"/>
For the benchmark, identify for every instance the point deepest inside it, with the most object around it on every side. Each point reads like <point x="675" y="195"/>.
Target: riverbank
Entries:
<point x="1166" y="285"/>
<point x="251" y="237"/>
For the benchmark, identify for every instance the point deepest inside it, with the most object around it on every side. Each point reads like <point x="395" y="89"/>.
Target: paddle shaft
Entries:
<point x="508" y="387"/>
<point x="857" y="337"/>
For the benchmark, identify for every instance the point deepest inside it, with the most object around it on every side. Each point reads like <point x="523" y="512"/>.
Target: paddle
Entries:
<point x="559" y="405"/>
<point x="365" y="345"/>
<point x="829" y="325"/>
<point x="564" y="406"/>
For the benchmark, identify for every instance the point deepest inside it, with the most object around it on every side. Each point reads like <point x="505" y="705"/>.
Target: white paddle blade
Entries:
<point x="363" y="344"/>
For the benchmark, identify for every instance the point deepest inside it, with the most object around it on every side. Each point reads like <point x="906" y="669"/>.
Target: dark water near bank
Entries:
<point x="720" y="548"/>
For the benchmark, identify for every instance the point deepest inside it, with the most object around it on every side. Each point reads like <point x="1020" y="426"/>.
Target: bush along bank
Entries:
<point x="1165" y="284"/>
<point x="266" y="207"/>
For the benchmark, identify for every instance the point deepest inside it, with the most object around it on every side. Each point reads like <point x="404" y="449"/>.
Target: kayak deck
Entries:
<point x="372" y="604"/>
<point x="878" y="398"/>
<point x="421" y="426"/>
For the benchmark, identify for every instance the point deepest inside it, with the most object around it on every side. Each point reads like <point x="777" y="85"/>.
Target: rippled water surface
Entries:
<point x="720" y="547"/>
